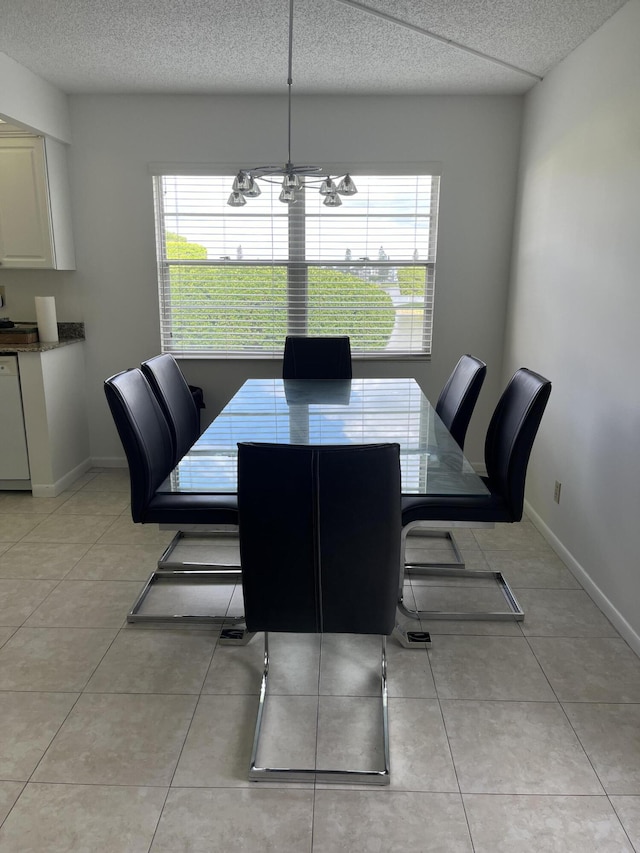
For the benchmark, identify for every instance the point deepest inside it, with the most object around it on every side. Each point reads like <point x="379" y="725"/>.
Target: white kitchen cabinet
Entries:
<point x="35" y="219"/>
<point x="55" y="417"/>
<point x="14" y="459"/>
<point x="44" y="402"/>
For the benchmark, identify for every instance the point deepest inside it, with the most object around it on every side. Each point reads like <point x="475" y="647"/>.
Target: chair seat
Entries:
<point x="191" y="509"/>
<point x="480" y="508"/>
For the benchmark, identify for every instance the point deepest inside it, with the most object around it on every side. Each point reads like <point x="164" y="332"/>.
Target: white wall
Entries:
<point x="575" y="307"/>
<point x="115" y="138"/>
<point x="114" y="290"/>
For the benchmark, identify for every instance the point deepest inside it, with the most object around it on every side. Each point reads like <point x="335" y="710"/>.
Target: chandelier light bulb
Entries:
<point x="236" y="199"/>
<point x="254" y="190"/>
<point x="332" y="199"/>
<point x="242" y="182"/>
<point x="290" y="182"/>
<point x="327" y="187"/>
<point x="346" y="186"/>
<point x="288" y="195"/>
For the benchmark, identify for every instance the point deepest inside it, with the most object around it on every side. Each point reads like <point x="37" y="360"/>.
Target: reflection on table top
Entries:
<point x="359" y="411"/>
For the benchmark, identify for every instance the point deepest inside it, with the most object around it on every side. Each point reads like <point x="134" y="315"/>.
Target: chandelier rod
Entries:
<point x="290" y="77"/>
<point x="294" y="176"/>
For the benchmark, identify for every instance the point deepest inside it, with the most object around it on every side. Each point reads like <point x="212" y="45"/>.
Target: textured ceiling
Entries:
<point x="340" y="46"/>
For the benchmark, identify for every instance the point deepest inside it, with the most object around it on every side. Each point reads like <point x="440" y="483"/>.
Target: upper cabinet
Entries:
<point x="35" y="219"/>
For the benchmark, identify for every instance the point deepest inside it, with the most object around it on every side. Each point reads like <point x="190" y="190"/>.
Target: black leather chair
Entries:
<point x="459" y="396"/>
<point x="179" y="407"/>
<point x="510" y="436"/>
<point x="176" y="401"/>
<point x="320" y="552"/>
<point x="455" y="406"/>
<point x="146" y="439"/>
<point x="316" y="357"/>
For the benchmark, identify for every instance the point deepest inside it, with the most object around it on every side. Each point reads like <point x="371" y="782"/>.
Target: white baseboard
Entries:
<point x="108" y="462"/>
<point x="592" y="589"/>
<point x="52" y="490"/>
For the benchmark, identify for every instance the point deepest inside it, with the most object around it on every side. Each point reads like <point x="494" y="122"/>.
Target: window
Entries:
<point x="234" y="281"/>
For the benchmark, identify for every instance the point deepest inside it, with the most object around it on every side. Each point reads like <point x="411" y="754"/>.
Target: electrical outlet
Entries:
<point x="556" y="492"/>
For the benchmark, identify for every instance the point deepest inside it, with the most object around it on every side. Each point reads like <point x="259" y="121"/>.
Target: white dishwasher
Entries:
<point x="14" y="460"/>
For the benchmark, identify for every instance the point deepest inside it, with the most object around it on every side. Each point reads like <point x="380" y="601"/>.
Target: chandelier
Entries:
<point x="294" y="177"/>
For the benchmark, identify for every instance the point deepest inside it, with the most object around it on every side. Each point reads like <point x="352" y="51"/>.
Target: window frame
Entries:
<point x="297" y="296"/>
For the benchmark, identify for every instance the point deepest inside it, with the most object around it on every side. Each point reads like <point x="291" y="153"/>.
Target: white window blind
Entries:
<point x="234" y="281"/>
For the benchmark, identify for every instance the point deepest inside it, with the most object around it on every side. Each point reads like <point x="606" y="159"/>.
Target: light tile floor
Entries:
<point x="128" y="738"/>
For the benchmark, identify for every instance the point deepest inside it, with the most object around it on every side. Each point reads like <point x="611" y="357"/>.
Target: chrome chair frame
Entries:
<point x="189" y="571"/>
<point x="221" y="575"/>
<point x="435" y="570"/>
<point x="458" y="562"/>
<point x="509" y="439"/>
<point x="291" y="774"/>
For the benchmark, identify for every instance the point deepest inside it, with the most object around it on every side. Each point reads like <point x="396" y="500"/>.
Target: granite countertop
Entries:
<point x="68" y="333"/>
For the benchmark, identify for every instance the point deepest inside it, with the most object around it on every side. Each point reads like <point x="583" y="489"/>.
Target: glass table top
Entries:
<point x="359" y="411"/>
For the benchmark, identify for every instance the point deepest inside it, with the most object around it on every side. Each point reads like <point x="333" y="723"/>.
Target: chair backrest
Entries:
<point x="176" y="401"/>
<point x="511" y="434"/>
<point x="316" y="358"/>
<point x="459" y="395"/>
<point x="319" y="537"/>
<point x="144" y="433"/>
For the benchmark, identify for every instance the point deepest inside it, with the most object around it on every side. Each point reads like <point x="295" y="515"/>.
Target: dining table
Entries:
<point x="321" y="412"/>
